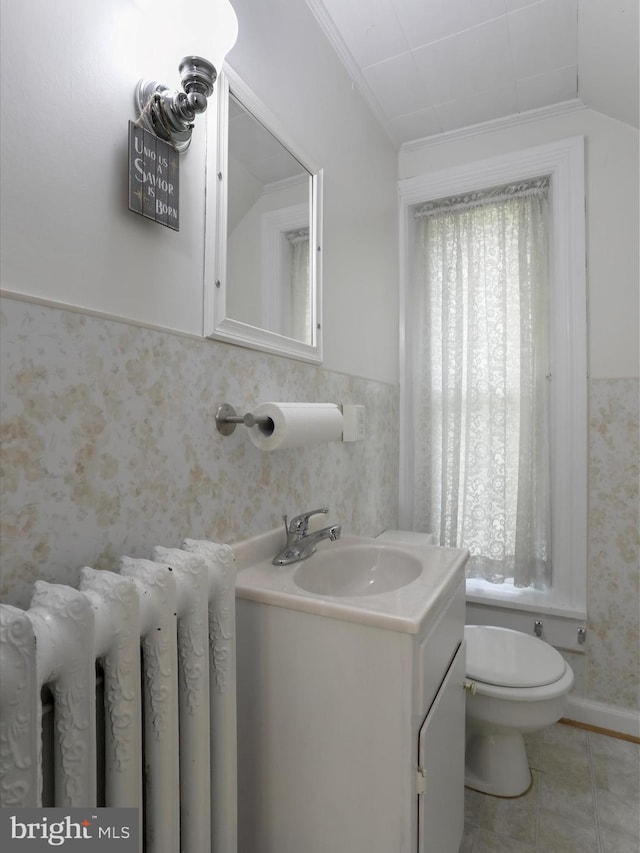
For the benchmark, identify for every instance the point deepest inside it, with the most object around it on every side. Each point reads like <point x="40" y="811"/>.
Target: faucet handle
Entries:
<point x="300" y="523"/>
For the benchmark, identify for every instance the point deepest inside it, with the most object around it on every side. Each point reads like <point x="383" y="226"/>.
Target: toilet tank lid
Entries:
<point x="509" y="658"/>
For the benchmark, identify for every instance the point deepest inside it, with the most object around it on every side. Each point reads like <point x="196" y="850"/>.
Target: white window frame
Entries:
<point x="563" y="161"/>
<point x="274" y="226"/>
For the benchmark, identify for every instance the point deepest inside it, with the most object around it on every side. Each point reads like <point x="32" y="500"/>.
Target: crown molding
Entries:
<point x="336" y="41"/>
<point x="494" y="125"/>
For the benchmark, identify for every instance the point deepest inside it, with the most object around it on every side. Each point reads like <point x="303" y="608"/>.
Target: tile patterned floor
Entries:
<point x="585" y="798"/>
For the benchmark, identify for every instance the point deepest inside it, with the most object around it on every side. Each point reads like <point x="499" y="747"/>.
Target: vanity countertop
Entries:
<point x="406" y="609"/>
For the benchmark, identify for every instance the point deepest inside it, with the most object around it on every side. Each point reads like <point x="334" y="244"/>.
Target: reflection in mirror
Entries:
<point x="267" y="279"/>
<point x="267" y="230"/>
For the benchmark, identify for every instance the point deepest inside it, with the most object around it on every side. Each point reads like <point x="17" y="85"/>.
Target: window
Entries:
<point x="508" y="481"/>
<point x="286" y="269"/>
<point x="481" y="424"/>
<point x="297" y="310"/>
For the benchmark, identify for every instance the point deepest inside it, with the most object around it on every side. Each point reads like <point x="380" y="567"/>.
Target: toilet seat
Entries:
<point x="503" y="658"/>
<point x="527" y="694"/>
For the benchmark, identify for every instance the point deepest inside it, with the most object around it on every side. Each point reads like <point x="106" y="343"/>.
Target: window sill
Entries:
<point x="488" y="604"/>
<point x="531" y="600"/>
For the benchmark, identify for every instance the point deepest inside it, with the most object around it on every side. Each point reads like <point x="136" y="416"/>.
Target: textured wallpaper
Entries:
<point x="109" y="445"/>
<point x="613" y="655"/>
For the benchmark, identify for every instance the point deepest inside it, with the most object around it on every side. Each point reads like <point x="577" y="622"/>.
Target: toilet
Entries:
<point x="516" y="684"/>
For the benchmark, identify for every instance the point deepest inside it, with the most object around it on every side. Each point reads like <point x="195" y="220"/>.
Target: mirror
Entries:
<point x="263" y="289"/>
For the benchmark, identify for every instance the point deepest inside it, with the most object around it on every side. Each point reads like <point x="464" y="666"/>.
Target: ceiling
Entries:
<point x="428" y="67"/>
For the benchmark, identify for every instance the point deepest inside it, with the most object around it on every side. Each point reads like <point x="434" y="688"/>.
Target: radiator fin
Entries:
<point x="176" y="614"/>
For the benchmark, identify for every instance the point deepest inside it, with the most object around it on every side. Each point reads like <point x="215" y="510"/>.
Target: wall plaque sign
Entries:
<point x="154" y="177"/>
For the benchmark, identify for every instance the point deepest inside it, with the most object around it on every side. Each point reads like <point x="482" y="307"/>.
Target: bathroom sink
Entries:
<point x="354" y="569"/>
<point x="383" y="583"/>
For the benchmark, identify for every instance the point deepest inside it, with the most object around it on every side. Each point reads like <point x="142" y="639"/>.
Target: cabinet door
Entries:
<point x="441" y="765"/>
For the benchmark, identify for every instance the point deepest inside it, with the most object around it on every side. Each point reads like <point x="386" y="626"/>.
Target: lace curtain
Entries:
<point x="482" y="478"/>
<point x="300" y="302"/>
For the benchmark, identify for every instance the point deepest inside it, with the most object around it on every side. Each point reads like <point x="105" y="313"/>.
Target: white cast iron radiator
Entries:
<point x="163" y="633"/>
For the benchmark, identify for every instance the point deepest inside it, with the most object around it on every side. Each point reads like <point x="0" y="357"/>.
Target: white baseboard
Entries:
<point x="610" y="717"/>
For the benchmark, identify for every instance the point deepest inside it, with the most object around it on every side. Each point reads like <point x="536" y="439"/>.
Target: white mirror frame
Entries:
<point x="217" y="324"/>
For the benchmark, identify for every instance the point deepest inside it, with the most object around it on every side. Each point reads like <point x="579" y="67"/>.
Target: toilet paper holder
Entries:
<point x="227" y="419"/>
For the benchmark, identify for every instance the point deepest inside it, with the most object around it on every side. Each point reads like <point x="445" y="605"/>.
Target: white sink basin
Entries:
<point x="376" y="582"/>
<point x="362" y="568"/>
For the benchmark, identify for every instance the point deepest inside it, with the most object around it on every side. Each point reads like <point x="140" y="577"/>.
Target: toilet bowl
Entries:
<point x="516" y="684"/>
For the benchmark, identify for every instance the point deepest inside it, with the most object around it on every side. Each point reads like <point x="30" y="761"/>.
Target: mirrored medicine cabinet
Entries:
<point x="263" y="249"/>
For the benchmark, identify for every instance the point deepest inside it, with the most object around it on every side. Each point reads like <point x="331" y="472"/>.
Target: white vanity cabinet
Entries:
<point x="350" y="734"/>
<point x="441" y="744"/>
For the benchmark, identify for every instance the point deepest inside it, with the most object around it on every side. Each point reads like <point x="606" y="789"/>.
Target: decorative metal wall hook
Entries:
<point x="227" y="419"/>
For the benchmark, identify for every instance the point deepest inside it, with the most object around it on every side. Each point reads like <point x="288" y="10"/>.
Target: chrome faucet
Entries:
<point x="300" y="543"/>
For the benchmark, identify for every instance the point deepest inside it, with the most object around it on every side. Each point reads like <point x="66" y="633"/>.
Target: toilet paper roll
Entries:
<point x="296" y="424"/>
